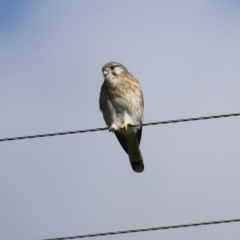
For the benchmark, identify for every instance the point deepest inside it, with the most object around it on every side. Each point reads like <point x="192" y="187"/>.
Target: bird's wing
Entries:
<point x="139" y="134"/>
<point x="130" y="144"/>
<point x="122" y="140"/>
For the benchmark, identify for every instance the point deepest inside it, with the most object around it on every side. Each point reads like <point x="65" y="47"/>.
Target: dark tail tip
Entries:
<point x="137" y="167"/>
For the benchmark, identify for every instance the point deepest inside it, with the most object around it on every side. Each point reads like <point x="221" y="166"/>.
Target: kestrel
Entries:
<point x="121" y="102"/>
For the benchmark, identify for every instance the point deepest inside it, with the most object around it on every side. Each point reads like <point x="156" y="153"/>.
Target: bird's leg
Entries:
<point x="113" y="128"/>
<point x="126" y="125"/>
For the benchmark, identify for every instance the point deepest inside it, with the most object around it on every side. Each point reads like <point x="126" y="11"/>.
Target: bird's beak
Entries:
<point x="105" y="72"/>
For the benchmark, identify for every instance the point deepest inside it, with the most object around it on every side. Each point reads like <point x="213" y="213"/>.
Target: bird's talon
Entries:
<point x="125" y="126"/>
<point x="112" y="129"/>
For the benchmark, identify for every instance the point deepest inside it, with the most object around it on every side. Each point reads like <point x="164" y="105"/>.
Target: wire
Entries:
<point x="52" y="134"/>
<point x="103" y="129"/>
<point x="147" y="229"/>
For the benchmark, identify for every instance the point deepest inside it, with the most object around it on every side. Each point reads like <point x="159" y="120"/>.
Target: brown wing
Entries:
<point x="122" y="140"/>
<point x="139" y="133"/>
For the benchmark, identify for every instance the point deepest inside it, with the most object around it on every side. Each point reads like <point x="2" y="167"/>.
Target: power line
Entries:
<point x="103" y="129"/>
<point x="146" y="229"/>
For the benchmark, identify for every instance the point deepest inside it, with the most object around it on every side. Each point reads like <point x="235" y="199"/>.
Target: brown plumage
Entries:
<point x="121" y="102"/>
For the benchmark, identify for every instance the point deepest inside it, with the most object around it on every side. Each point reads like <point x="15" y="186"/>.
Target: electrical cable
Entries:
<point x="103" y="129"/>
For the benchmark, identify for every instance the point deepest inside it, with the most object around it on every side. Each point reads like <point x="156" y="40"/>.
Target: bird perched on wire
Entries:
<point x="121" y="102"/>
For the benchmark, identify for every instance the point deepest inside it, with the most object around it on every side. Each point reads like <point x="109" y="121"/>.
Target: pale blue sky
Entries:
<point x="186" y="56"/>
<point x="12" y="14"/>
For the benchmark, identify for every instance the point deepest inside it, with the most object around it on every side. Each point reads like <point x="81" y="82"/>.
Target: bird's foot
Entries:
<point x="113" y="128"/>
<point x="126" y="125"/>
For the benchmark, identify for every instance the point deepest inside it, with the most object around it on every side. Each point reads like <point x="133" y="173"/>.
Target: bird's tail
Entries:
<point x="135" y="156"/>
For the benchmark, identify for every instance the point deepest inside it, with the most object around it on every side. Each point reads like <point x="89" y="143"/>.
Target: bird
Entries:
<point x="121" y="103"/>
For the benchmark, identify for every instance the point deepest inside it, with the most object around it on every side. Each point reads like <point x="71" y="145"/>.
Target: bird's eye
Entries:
<point x="112" y="67"/>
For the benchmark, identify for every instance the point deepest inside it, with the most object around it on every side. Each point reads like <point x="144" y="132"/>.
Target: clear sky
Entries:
<point x="185" y="54"/>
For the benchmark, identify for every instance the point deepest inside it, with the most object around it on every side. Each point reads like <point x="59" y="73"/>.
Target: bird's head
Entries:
<point x="112" y="70"/>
